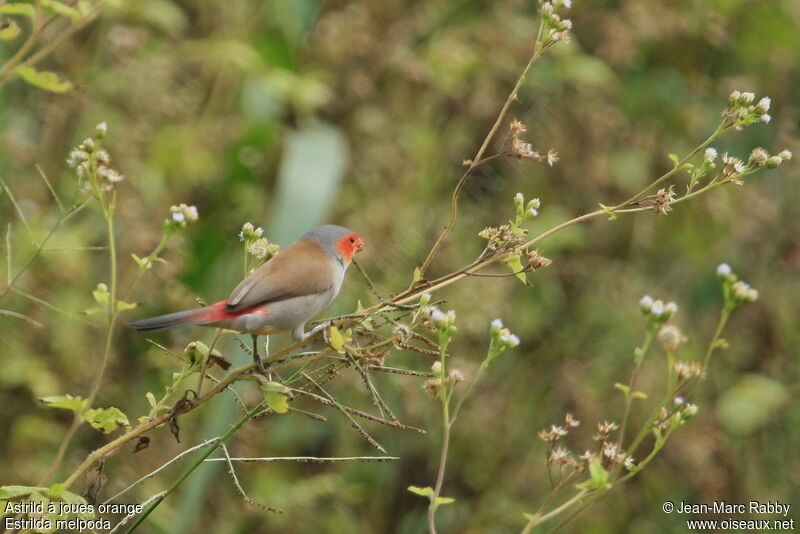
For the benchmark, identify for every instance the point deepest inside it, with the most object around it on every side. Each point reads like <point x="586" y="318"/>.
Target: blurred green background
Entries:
<point x="286" y="113"/>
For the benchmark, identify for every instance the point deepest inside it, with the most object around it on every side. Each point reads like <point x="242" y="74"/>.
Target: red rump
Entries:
<point x="216" y="312"/>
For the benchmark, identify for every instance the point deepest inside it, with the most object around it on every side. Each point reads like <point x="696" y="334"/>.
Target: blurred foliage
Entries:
<point x="208" y="103"/>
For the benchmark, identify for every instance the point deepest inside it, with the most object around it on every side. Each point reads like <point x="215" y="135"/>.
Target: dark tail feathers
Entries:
<point x="171" y="320"/>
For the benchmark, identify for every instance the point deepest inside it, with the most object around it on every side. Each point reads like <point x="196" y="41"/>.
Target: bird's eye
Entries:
<point x="352" y="240"/>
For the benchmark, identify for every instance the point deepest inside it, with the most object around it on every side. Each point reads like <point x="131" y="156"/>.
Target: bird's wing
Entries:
<point x="302" y="268"/>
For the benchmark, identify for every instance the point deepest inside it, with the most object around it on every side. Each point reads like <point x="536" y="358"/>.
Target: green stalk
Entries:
<point x="231" y="431"/>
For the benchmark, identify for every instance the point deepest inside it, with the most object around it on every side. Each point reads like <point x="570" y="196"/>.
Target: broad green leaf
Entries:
<point x="515" y="263"/>
<point x="277" y="402"/>
<point x="61" y="9"/>
<point x="9" y="30"/>
<point x="427" y="491"/>
<point x="17" y="8"/>
<point x="106" y="420"/>
<point x="13" y="492"/>
<point x="66" y="402"/>
<point x="598" y="478"/>
<point x="275" y="394"/>
<point x="44" y="80"/>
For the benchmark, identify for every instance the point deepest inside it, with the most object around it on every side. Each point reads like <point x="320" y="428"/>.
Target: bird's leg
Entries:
<point x="257" y="356"/>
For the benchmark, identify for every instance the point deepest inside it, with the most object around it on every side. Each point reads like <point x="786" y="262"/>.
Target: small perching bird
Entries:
<point x="280" y="296"/>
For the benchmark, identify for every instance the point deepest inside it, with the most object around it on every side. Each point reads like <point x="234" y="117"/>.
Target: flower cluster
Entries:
<point x="435" y="385"/>
<point x="249" y="233"/>
<point x="735" y="291"/>
<point x="502" y="236"/>
<point x="742" y="111"/>
<point x="444" y="322"/>
<point x="656" y="312"/>
<point x="91" y="162"/>
<point x="661" y="202"/>
<point x="556" y="28"/>
<point x="671" y="337"/>
<point x="262" y="249"/>
<point x="687" y="370"/>
<point x="500" y="339"/>
<point x="537" y="260"/>
<point x="523" y="150"/>
<point x="180" y="216"/>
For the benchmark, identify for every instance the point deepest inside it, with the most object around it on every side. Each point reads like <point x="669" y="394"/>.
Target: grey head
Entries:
<point x="328" y="235"/>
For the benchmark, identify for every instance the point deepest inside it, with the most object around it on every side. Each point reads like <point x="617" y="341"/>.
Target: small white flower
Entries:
<point x="533" y="212"/>
<point x="710" y="154"/>
<point x="765" y="118"/>
<point x="178" y="216"/>
<point x="679" y="401"/>
<point x="657" y="308"/>
<point x="191" y="213"/>
<point x="568" y="4"/>
<point x="646" y="302"/>
<point x="552" y="157"/>
<point x="763" y="105"/>
<point x="723" y="269"/>
<point x="748" y="98"/>
<point x="671" y="308"/>
<point x="497" y="324"/>
<point x="785" y="155"/>
<point x="102" y="128"/>
<point x="519" y="198"/>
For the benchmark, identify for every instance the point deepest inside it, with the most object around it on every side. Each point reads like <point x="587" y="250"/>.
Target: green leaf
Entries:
<point x="13" y="492"/>
<point x="44" y="80"/>
<point x="151" y="399"/>
<point x="101" y="294"/>
<point x="442" y="500"/>
<point x="337" y="339"/>
<point x="639" y="395"/>
<point x="608" y="211"/>
<point x="417" y="275"/>
<point x="9" y="30"/>
<point x="275" y="395"/>
<point x="623" y="388"/>
<point x="277" y="402"/>
<point x="515" y="262"/>
<point x="123" y="306"/>
<point x="17" y="8"/>
<point x="62" y="9"/>
<point x="427" y="491"/>
<point x="674" y="158"/>
<point x="106" y="420"/>
<point x="93" y="311"/>
<point x="598" y="478"/>
<point x="66" y="402"/>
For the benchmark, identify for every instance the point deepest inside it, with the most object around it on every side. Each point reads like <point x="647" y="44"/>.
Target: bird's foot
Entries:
<point x="324" y="327"/>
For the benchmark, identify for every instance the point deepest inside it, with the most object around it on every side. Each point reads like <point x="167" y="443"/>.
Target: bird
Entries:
<point x="280" y="296"/>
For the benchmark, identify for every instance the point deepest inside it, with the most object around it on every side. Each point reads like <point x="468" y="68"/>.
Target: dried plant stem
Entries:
<point x="232" y="430"/>
<point x="538" y="49"/>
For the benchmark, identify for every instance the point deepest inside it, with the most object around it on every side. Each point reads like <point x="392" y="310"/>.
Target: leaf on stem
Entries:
<point x="66" y="402"/>
<point x="48" y="81"/>
<point x="106" y="420"/>
<point x="8" y="30"/>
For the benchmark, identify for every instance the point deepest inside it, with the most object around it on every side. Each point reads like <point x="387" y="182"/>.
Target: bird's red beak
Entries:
<point x="359" y="245"/>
